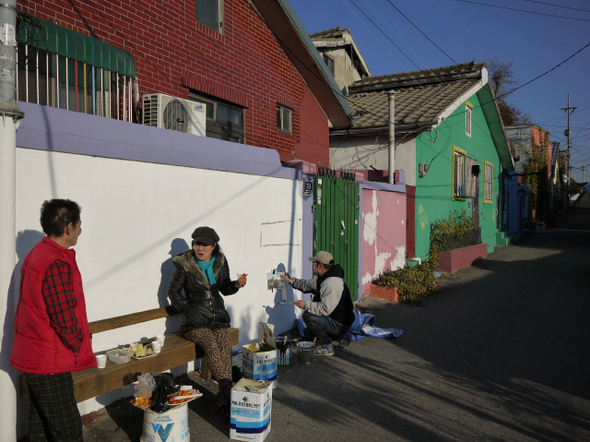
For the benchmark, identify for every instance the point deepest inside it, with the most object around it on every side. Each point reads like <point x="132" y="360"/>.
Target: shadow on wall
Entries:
<point x="177" y="246"/>
<point x="25" y="241"/>
<point x="282" y="313"/>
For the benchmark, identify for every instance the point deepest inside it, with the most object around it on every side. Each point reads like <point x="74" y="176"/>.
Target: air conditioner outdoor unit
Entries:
<point x="174" y="113"/>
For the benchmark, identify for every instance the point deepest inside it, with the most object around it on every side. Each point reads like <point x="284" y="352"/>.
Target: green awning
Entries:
<point x="56" y="39"/>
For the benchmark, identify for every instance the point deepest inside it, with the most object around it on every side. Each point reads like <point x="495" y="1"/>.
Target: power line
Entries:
<point x="386" y="36"/>
<point x="522" y="10"/>
<point x="371" y="32"/>
<point x="419" y="30"/>
<point x="557" y="6"/>
<point x="545" y="73"/>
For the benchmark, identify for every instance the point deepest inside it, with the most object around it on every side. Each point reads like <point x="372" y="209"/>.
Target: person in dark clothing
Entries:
<point x="203" y="274"/>
<point x="329" y="315"/>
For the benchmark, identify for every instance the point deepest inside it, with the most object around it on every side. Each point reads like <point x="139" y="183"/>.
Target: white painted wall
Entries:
<point x="366" y="152"/>
<point x="137" y="215"/>
<point x="143" y="191"/>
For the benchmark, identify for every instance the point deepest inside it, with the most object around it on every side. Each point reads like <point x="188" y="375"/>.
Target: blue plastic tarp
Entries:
<point x="362" y="327"/>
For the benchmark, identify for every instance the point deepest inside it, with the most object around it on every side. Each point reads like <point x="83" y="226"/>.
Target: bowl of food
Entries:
<point x="119" y="356"/>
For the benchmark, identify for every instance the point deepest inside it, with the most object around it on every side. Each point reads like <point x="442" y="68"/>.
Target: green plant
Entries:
<point x="414" y="283"/>
<point x="451" y="233"/>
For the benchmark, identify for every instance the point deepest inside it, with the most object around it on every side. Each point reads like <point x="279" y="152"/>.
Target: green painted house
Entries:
<point x="449" y="141"/>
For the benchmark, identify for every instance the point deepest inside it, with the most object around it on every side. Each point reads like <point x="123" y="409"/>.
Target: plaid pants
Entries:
<point x="53" y="413"/>
<point x="215" y="344"/>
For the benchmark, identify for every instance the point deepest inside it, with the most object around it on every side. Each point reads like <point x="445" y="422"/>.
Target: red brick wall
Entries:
<point x="244" y="65"/>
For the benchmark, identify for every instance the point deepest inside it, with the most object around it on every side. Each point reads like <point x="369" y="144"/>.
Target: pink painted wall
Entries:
<point x="452" y="260"/>
<point x="383" y="234"/>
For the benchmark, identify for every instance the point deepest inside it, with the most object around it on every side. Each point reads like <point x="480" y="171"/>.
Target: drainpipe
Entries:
<point x="10" y="117"/>
<point x="391" y="150"/>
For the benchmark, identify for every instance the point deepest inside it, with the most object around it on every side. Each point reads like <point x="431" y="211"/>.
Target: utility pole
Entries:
<point x="10" y="118"/>
<point x="584" y="174"/>
<point x="391" y="149"/>
<point x="568" y="134"/>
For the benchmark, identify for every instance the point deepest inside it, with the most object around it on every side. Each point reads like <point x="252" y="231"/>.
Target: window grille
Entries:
<point x="56" y="67"/>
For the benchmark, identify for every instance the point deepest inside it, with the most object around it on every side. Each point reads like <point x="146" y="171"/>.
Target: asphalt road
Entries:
<point x="499" y="353"/>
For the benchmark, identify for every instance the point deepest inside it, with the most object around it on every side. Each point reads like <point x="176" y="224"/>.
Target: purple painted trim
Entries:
<point x="48" y="128"/>
<point x="373" y="185"/>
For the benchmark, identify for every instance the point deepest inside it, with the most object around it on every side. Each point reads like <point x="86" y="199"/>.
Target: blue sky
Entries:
<point x="536" y="35"/>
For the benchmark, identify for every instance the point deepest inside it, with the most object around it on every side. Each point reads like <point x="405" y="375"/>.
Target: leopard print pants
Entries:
<point x="215" y="344"/>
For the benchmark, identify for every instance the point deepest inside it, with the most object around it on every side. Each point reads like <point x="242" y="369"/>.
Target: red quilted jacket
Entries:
<point x="37" y="348"/>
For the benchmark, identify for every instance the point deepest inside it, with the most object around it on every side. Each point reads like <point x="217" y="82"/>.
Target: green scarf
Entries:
<point x="207" y="268"/>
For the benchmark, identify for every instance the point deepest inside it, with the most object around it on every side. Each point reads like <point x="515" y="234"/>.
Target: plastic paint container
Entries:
<point x="170" y="426"/>
<point x="305" y="352"/>
<point x="283" y="353"/>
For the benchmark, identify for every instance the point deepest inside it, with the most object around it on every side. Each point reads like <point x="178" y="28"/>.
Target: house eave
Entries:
<point x="291" y="35"/>
<point x="384" y="130"/>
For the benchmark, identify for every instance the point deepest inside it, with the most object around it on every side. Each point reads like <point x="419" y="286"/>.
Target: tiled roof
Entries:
<point x="335" y="33"/>
<point x="420" y="96"/>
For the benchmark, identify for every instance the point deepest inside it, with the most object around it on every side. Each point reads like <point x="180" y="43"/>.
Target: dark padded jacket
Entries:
<point x="202" y="303"/>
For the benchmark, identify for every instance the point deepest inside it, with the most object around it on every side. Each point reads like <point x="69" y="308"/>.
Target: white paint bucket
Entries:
<point x="170" y="426"/>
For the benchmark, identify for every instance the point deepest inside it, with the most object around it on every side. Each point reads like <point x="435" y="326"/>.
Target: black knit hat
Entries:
<point x="205" y="235"/>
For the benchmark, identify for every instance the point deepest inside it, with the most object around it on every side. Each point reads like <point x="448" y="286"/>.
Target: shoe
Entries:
<point x="224" y="413"/>
<point x="344" y="342"/>
<point x="323" y="350"/>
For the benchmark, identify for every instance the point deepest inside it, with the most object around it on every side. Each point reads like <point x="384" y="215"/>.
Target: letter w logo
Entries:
<point x="163" y="432"/>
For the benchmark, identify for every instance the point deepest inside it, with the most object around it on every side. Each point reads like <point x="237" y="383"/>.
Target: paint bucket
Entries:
<point x="284" y="353"/>
<point x="170" y="426"/>
<point x="305" y="352"/>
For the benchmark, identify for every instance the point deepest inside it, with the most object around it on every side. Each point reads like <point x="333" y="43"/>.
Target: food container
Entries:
<point x="119" y="356"/>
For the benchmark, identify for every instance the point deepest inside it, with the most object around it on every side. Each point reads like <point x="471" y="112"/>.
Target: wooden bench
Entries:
<point x="176" y="351"/>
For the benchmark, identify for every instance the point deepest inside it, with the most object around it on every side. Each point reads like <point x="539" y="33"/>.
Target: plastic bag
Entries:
<point x="145" y="385"/>
<point x="363" y="326"/>
<point x="164" y="386"/>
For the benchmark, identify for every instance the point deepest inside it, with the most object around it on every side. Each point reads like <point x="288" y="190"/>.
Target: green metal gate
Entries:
<point x="336" y="207"/>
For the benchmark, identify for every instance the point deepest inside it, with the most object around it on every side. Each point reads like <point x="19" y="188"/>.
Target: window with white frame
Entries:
<point x="471" y="177"/>
<point x="468" y="121"/>
<point x="464" y="175"/>
<point x="210" y="13"/>
<point x="488" y="195"/>
<point x="224" y="120"/>
<point x="458" y="173"/>
<point x="284" y="115"/>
